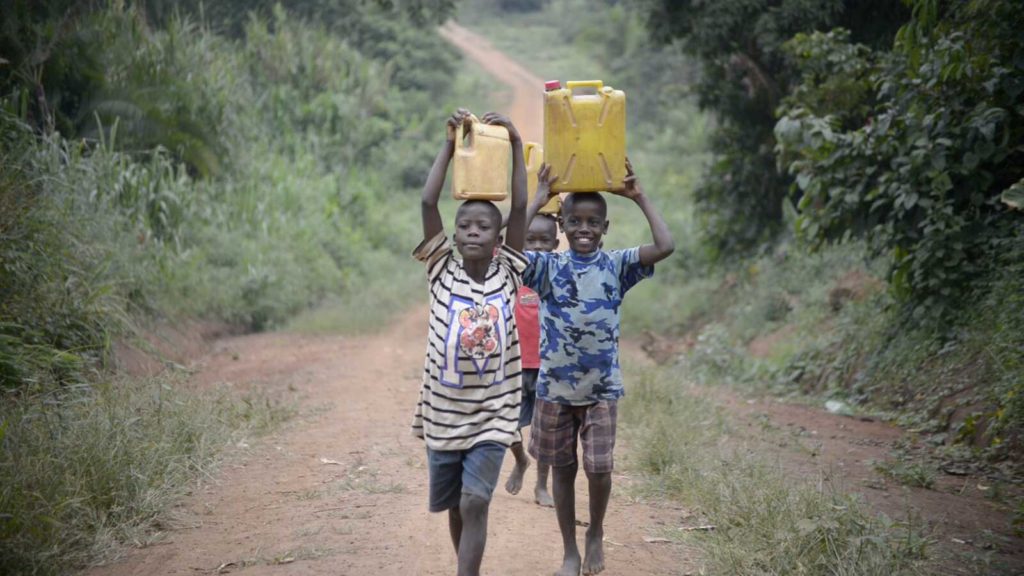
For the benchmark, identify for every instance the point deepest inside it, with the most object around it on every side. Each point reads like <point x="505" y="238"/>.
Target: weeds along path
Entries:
<point x="342" y="489"/>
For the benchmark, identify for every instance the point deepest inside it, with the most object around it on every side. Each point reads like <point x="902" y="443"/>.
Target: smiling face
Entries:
<point x="542" y="236"/>
<point x="477" y="227"/>
<point x="584" y="221"/>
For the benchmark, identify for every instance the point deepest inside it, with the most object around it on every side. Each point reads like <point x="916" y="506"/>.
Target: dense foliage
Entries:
<point x="158" y="163"/>
<point x="914" y="147"/>
<point x="745" y="75"/>
<point x="168" y="169"/>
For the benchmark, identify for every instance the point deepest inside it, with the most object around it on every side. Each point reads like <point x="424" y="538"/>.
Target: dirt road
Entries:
<point x="526" y="109"/>
<point x="342" y="490"/>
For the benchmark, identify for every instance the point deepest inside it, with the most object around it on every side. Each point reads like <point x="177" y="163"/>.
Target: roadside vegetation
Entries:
<point x="748" y="515"/>
<point x="160" y="162"/>
<point x="844" y="183"/>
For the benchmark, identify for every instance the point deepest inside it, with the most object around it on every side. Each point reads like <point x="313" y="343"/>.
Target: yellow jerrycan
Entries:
<point x="534" y="156"/>
<point x="480" y="165"/>
<point x="585" y="137"/>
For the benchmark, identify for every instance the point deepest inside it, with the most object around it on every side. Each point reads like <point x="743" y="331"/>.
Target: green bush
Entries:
<point x="744" y="76"/>
<point x="921" y="174"/>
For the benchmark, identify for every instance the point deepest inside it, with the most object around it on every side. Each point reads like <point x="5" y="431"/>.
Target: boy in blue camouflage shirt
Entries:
<point x="581" y="291"/>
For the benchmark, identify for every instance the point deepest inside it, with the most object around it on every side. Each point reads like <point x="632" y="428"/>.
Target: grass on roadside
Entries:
<point x="765" y="521"/>
<point x="373" y="305"/>
<point x="86" y="467"/>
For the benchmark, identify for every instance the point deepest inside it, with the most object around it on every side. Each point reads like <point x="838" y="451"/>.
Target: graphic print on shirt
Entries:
<point x="529" y="298"/>
<point x="474" y="334"/>
<point x="477" y="336"/>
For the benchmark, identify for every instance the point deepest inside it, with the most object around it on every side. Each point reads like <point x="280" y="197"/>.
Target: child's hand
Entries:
<point x="632" y="189"/>
<point x="496" y="119"/>
<point x="460" y="116"/>
<point x="545" y="178"/>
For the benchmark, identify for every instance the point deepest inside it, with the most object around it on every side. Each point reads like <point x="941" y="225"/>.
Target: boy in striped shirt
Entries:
<point x="469" y="404"/>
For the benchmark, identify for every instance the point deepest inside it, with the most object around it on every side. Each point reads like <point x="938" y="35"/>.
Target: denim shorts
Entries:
<point x="529" y="397"/>
<point x="456" y="472"/>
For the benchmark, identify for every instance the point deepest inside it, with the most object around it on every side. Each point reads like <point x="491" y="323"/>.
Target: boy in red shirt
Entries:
<point x="542" y="236"/>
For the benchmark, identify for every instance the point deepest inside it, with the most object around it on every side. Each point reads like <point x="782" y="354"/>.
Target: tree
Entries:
<point x="745" y="76"/>
<point x="914" y="148"/>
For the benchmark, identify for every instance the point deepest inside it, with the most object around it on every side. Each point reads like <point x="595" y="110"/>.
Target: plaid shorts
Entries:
<point x="556" y="426"/>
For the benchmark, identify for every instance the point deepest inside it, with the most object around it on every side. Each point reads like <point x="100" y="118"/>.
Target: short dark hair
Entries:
<point x="574" y="197"/>
<point x="547" y="219"/>
<point x="495" y="213"/>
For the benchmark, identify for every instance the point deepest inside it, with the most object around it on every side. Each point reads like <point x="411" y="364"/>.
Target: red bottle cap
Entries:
<point x="552" y="85"/>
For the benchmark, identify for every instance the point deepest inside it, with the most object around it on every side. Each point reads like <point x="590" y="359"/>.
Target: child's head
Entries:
<point x="542" y="235"/>
<point x="584" y="221"/>
<point x="477" y="229"/>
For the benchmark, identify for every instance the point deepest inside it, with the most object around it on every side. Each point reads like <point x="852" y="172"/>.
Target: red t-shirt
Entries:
<point x="527" y="309"/>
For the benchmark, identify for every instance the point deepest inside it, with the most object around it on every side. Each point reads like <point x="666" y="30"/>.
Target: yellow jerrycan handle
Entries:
<point x="595" y="84"/>
<point x="527" y="149"/>
<point x="459" y="143"/>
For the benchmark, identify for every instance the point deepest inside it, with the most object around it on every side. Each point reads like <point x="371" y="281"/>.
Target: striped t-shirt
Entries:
<point x="471" y="376"/>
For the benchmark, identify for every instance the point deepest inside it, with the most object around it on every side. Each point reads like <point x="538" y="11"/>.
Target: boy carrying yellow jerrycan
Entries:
<point x="585" y="136"/>
<point x="480" y="162"/>
<point x="534" y="156"/>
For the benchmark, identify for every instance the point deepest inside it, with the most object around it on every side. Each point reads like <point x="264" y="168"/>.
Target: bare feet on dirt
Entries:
<point x="542" y="497"/>
<point x="515" y="479"/>
<point x="571" y="565"/>
<point x="594" y="562"/>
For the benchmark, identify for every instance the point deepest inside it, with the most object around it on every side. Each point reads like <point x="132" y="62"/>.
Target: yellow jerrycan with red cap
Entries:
<point x="480" y="165"/>
<point x="585" y="136"/>
<point x="534" y="157"/>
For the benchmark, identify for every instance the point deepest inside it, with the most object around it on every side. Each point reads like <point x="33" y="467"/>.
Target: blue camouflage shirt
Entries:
<point x="580" y="296"/>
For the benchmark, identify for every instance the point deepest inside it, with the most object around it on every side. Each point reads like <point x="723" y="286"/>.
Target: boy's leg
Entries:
<point x="455" y="527"/>
<point x="563" y="485"/>
<point x="481" y="467"/>
<point x="540" y="492"/>
<point x="515" y="479"/>
<point x="553" y="443"/>
<point x="473" y="510"/>
<point x="598" y="439"/>
<point x="600" y="485"/>
<point x="445" y="470"/>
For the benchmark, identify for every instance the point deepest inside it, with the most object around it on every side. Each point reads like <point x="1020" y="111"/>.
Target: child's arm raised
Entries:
<point x="515" y="235"/>
<point x="544" y="194"/>
<point x="663" y="245"/>
<point x="432" y="224"/>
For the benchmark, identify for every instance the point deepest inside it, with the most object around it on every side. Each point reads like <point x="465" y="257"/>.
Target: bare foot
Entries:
<point x="515" y="479"/>
<point x="541" y="497"/>
<point x="594" y="564"/>
<point x="570" y="565"/>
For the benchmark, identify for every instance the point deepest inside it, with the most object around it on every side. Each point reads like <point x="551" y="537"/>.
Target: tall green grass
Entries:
<point x="765" y="521"/>
<point x="382" y="296"/>
<point x="87" y="467"/>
